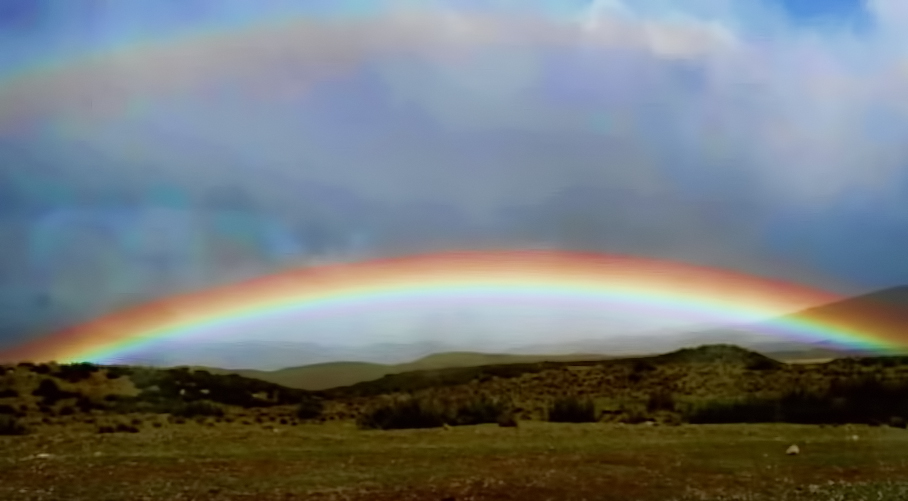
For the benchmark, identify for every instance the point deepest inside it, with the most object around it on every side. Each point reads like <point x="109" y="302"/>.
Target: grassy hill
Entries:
<point x="338" y="374"/>
<point x="629" y="389"/>
<point x="714" y="383"/>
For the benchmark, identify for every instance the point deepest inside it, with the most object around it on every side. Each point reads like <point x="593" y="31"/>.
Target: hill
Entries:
<point x="46" y="391"/>
<point x="668" y="388"/>
<point x="624" y="389"/>
<point x="884" y="311"/>
<point x="337" y="374"/>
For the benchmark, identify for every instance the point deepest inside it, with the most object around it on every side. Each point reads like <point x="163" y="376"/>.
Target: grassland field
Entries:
<point x="536" y="461"/>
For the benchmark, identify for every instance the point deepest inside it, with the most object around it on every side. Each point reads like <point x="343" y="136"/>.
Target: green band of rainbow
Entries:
<point x="606" y="281"/>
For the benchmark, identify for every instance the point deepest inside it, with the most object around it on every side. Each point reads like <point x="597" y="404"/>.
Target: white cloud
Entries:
<point x="794" y="103"/>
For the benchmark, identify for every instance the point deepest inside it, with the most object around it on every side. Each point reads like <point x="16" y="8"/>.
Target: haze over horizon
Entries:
<point x="155" y="147"/>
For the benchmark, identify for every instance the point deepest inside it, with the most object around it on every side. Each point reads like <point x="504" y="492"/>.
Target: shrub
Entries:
<point x="661" y="400"/>
<point x="750" y="410"/>
<point x="9" y="425"/>
<point x="866" y="401"/>
<point x="41" y="369"/>
<point x="762" y="364"/>
<point x="507" y="421"/>
<point x="634" y="417"/>
<point x="310" y="408"/>
<point x="572" y="410"/>
<point x="479" y="411"/>
<point x="8" y="410"/>
<point x="9" y="393"/>
<point x="85" y="404"/>
<point x="51" y="392"/>
<point x="74" y="373"/>
<point x="202" y="408"/>
<point x="898" y="422"/>
<point x="118" y="428"/>
<point x="409" y="413"/>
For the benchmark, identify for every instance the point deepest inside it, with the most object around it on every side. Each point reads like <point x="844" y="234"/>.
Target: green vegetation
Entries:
<point x="310" y="408"/>
<point x="201" y="408"/>
<point x="414" y="412"/>
<point x="51" y="392"/>
<point x="572" y="410"/>
<point x="408" y="413"/>
<point x="480" y="410"/>
<point x="325" y="376"/>
<point x="661" y="400"/>
<point x="866" y="400"/>
<point x="9" y="425"/>
<point x="74" y="373"/>
<point x="543" y="461"/>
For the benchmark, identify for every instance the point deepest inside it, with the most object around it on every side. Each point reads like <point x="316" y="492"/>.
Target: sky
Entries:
<point x="159" y="146"/>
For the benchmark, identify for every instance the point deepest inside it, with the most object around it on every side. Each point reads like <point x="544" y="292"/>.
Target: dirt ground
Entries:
<point x="537" y="461"/>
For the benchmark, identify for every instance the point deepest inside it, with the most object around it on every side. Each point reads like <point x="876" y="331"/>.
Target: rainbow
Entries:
<point x="608" y="281"/>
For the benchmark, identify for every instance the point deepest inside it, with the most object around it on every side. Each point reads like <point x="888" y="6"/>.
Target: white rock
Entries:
<point x="794" y="450"/>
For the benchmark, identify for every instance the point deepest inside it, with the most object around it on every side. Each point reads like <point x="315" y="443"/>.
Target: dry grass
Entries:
<point x="534" y="462"/>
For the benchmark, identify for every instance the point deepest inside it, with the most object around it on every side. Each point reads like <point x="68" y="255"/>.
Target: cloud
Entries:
<point x="691" y="131"/>
<point x="798" y="102"/>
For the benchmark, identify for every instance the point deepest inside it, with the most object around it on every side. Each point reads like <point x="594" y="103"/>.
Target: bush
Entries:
<point x="51" y="392"/>
<point x="85" y="404"/>
<point x="74" y="373"/>
<point x="310" y="408"/>
<point x="507" y="421"/>
<point x="479" y="411"/>
<point x="8" y="410"/>
<point x="634" y="417"/>
<point x="201" y="408"/>
<point x="865" y="401"/>
<point x="427" y="413"/>
<point x="409" y="413"/>
<point x="41" y="369"/>
<point x="9" y="425"/>
<point x="661" y="401"/>
<point x="9" y="393"/>
<point x="572" y="410"/>
<point x="762" y="364"/>
<point x="750" y="410"/>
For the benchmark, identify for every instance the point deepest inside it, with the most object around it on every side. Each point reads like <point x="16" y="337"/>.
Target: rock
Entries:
<point x="853" y="437"/>
<point x="43" y="455"/>
<point x="446" y="427"/>
<point x="794" y="450"/>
